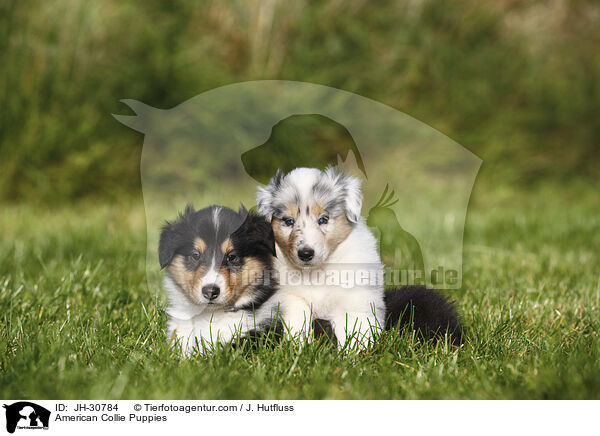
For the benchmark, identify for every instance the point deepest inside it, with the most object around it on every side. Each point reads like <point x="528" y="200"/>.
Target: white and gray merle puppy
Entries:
<point x="327" y="259"/>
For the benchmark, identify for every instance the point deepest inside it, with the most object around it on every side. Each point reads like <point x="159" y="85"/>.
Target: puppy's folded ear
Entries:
<point x="354" y="199"/>
<point x="167" y="244"/>
<point x="170" y="237"/>
<point x="264" y="196"/>
<point x="347" y="187"/>
<point x="257" y="231"/>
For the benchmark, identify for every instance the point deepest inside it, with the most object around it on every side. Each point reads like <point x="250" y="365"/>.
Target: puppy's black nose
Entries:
<point x="211" y="292"/>
<point x="306" y="254"/>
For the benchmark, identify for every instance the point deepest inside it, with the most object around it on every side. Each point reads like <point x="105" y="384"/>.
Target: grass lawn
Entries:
<point x="78" y="321"/>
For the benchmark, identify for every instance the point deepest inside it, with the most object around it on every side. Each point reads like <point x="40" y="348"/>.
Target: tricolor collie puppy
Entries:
<point x="327" y="260"/>
<point x="218" y="265"/>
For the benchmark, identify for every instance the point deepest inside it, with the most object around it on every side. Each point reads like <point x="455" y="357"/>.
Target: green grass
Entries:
<point x="77" y="320"/>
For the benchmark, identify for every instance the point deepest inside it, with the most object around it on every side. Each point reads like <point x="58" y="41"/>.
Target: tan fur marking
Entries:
<point x="292" y="210"/>
<point x="226" y="246"/>
<point x="287" y="243"/>
<point x="185" y="279"/>
<point x="200" y="245"/>
<point x="341" y="230"/>
<point x="317" y="210"/>
<point x="238" y="282"/>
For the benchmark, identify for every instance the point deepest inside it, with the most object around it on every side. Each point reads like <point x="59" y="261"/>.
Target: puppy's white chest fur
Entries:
<point x="346" y="290"/>
<point x="209" y="328"/>
<point x="193" y="325"/>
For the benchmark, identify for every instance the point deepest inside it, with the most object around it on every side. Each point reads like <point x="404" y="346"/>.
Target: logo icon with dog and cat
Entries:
<point x="25" y="415"/>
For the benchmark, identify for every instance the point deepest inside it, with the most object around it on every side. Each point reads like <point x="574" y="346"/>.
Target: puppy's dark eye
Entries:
<point x="323" y="220"/>
<point x="195" y="255"/>
<point x="289" y="221"/>
<point x="231" y="258"/>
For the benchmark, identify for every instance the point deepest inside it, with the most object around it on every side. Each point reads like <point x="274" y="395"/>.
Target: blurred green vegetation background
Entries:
<point x="516" y="82"/>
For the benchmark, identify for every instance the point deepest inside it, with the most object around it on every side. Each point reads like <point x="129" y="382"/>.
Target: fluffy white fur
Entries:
<point x="203" y="325"/>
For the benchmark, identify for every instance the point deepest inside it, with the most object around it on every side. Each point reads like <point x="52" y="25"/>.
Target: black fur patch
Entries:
<point x="430" y="313"/>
